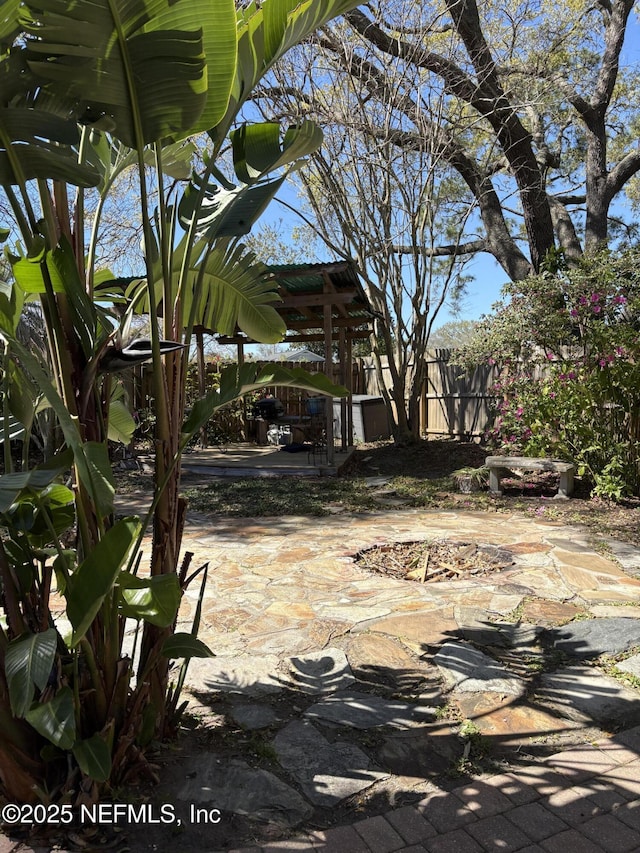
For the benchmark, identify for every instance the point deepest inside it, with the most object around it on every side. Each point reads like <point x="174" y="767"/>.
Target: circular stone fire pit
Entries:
<point x="434" y="560"/>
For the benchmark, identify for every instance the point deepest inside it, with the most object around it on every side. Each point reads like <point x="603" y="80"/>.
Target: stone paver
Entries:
<point x="630" y="665"/>
<point x="584" y="762"/>
<point x="499" y="834"/>
<point x="457" y="841"/>
<point x="234" y="786"/>
<point x="570" y="840"/>
<point x="471" y="671"/>
<point x="364" y="711"/>
<point x="592" y="637"/>
<point x="248" y="674"/>
<point x="379" y="835"/>
<point x="338" y="840"/>
<point x="629" y="813"/>
<point x="445" y="812"/>
<point x="586" y="694"/>
<point x="326" y="772"/>
<point x="610" y="834"/>
<point x="321" y="672"/>
<point x="413" y="827"/>
<point x="572" y="806"/>
<point x="536" y="821"/>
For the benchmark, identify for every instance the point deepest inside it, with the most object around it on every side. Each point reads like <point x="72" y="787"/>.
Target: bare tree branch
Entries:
<point x="471" y="247"/>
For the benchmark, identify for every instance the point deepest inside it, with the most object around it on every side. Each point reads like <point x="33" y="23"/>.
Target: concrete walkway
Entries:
<point x="289" y="613"/>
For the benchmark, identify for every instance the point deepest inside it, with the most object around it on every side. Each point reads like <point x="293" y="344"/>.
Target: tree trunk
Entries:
<point x="516" y="142"/>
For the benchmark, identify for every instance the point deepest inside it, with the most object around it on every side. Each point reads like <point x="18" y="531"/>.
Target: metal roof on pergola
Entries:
<point x="319" y="302"/>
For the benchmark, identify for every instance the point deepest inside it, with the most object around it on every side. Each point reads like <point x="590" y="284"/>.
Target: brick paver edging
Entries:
<point x="581" y="800"/>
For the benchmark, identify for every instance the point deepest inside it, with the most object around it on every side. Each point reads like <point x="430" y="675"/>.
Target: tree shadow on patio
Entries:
<point x="297" y="750"/>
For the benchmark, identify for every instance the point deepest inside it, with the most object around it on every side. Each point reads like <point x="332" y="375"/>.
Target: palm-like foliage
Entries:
<point x="152" y="68"/>
<point x="87" y="89"/>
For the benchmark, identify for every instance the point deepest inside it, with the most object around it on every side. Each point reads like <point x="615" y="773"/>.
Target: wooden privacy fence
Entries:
<point x="452" y="403"/>
<point x="293" y="399"/>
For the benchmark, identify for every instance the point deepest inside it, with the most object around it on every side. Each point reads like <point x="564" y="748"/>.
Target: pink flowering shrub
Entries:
<point x="567" y="344"/>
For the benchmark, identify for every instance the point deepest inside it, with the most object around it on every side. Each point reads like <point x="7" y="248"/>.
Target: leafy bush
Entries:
<point x="566" y="347"/>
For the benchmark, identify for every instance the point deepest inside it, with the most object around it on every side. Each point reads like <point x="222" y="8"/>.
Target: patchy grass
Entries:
<point x="609" y="665"/>
<point x="383" y="477"/>
<point x="250" y="496"/>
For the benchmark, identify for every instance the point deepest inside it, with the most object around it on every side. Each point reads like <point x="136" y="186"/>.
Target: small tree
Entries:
<point x="379" y="195"/>
<point x="88" y="90"/>
<point x="453" y="334"/>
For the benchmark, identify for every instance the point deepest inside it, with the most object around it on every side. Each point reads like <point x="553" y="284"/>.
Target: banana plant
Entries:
<point x="86" y="90"/>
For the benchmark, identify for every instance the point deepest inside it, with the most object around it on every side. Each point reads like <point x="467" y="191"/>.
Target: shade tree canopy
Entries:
<point x="537" y="124"/>
<point x="455" y="128"/>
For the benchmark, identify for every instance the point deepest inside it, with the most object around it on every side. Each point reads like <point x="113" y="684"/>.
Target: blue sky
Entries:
<point x="488" y="278"/>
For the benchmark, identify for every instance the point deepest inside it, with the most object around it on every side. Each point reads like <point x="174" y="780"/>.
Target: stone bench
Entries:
<point x="500" y="466"/>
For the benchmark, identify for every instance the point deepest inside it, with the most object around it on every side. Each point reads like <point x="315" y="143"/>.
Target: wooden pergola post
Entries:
<point x="328" y="367"/>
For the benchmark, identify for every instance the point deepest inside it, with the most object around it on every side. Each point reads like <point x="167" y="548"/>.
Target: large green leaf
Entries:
<point x="55" y="719"/>
<point x="13" y="485"/>
<point x="227" y="213"/>
<point x="62" y="271"/>
<point x="93" y="757"/>
<point x="156" y="68"/>
<point x="42" y="516"/>
<point x="97" y="574"/>
<point x="23" y="400"/>
<point x="112" y="158"/>
<point x="229" y="288"/>
<point x="248" y="378"/>
<point x="28" y="662"/>
<point x="90" y="458"/>
<point x="121" y="422"/>
<point x="11" y="429"/>
<point x="38" y="144"/>
<point x="265" y="33"/>
<point x="155" y="599"/>
<point x="99" y="473"/>
<point x="182" y="645"/>
<point x="234" y="293"/>
<point x="11" y="306"/>
<point x="9" y="20"/>
<point x="258" y="150"/>
<point x="38" y="137"/>
<point x="224" y="210"/>
<point x="35" y="520"/>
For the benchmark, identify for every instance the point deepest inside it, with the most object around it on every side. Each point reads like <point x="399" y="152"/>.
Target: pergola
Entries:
<point x="327" y="303"/>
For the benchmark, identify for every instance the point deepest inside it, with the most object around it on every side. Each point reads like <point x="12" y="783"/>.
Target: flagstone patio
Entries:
<point x="350" y="711"/>
<point x="324" y="652"/>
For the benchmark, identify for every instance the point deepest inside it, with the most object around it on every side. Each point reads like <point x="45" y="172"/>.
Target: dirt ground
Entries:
<point x="532" y="494"/>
